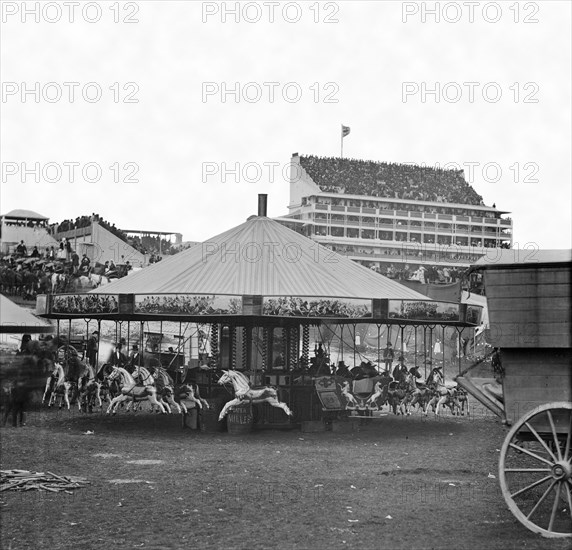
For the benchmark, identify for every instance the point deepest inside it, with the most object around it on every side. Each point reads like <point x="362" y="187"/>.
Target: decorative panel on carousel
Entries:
<point x="419" y="310"/>
<point x="188" y="304"/>
<point x="81" y="304"/>
<point x="304" y="306"/>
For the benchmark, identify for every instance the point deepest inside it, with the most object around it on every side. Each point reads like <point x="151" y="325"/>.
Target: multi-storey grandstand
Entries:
<point x="395" y="218"/>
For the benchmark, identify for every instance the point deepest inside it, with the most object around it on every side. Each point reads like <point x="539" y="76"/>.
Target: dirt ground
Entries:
<point x="411" y="483"/>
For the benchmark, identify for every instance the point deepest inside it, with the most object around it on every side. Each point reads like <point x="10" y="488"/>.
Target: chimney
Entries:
<point x="262" y="203"/>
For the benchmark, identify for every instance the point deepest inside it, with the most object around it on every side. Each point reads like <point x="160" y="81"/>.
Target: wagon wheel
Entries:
<point x="535" y="470"/>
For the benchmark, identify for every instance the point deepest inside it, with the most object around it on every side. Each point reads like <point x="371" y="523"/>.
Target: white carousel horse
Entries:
<point x="60" y="387"/>
<point x="377" y="393"/>
<point x="90" y="389"/>
<point x="244" y="392"/>
<point x="349" y="397"/>
<point x="143" y="376"/>
<point x="443" y="395"/>
<point x="130" y="390"/>
<point x="166" y="386"/>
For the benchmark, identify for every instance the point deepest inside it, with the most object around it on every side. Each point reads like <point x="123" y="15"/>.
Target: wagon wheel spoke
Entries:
<point x="527" y="470"/>
<point x="554" y="507"/>
<point x="568" y="437"/>
<point x="569" y="498"/>
<point x="531" y="486"/>
<point x="533" y="455"/>
<point x="540" y="440"/>
<point x="541" y="500"/>
<point x="551" y="420"/>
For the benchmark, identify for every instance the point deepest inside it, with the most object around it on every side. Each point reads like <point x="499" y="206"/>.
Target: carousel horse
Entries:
<point x="144" y="377"/>
<point x="57" y="385"/>
<point x="348" y="396"/>
<point x="411" y="388"/>
<point x="245" y="393"/>
<point x="443" y="395"/>
<point x="188" y="397"/>
<point x="130" y="390"/>
<point x="166" y="387"/>
<point x="89" y="390"/>
<point x="379" y="391"/>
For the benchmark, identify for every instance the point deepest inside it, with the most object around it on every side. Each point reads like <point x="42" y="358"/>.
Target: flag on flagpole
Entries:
<point x="345" y="130"/>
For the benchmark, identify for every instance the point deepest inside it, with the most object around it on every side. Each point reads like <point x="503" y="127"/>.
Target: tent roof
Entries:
<point x="261" y="257"/>
<point x="24" y="214"/>
<point x="16" y="319"/>
<point x="516" y="256"/>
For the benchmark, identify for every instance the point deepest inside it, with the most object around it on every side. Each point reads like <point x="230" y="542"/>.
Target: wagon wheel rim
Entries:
<point x="535" y="470"/>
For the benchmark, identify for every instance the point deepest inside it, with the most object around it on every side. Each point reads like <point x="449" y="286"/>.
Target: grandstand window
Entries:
<point x="401" y="237"/>
<point x="367" y="234"/>
<point x="337" y="231"/>
<point x="429" y="226"/>
<point x="386" y="235"/>
<point x="354" y="220"/>
<point x="353" y="233"/>
<point x="462" y="227"/>
<point x="337" y="218"/>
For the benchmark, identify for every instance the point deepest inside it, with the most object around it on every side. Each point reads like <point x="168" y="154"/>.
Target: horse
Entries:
<point x="131" y="390"/>
<point x="413" y="391"/>
<point x="166" y="387"/>
<point x="89" y="390"/>
<point x="57" y="385"/>
<point x="144" y="377"/>
<point x="351" y="401"/>
<point x="443" y="395"/>
<point x="245" y="393"/>
<point x="188" y="397"/>
<point x="379" y="391"/>
<point x="97" y="279"/>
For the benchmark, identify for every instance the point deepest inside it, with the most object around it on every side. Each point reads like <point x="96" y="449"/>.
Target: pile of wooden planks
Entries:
<point x="23" y="480"/>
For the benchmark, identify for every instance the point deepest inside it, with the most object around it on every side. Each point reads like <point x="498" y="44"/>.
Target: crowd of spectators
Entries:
<point x="146" y="244"/>
<point x="390" y="180"/>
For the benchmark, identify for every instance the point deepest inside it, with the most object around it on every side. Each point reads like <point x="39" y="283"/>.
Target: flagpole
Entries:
<point x="342" y="142"/>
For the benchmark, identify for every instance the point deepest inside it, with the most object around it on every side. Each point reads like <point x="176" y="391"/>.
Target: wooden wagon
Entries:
<point x="529" y="302"/>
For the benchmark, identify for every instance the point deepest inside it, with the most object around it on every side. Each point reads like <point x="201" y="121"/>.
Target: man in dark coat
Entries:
<point x="92" y="345"/>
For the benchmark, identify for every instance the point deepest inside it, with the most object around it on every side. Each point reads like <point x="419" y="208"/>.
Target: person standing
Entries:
<point x="92" y="346"/>
<point x="388" y="356"/>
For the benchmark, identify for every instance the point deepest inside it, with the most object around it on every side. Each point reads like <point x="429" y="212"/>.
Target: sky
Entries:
<point x="174" y="115"/>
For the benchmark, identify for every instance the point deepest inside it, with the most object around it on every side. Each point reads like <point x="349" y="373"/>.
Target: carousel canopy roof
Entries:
<point x="261" y="257"/>
<point x="24" y="214"/>
<point x="524" y="257"/>
<point x="16" y="319"/>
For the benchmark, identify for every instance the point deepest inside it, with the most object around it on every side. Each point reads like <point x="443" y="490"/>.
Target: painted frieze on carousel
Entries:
<point x="85" y="303"/>
<point x="423" y="311"/>
<point x="296" y="306"/>
<point x="190" y="304"/>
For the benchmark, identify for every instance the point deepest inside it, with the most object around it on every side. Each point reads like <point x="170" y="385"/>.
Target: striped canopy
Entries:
<point x="261" y="257"/>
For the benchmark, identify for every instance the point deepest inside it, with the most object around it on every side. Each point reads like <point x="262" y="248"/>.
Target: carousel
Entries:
<point x="261" y="308"/>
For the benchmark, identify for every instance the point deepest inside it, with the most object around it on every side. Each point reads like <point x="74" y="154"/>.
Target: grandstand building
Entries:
<point x="394" y="218"/>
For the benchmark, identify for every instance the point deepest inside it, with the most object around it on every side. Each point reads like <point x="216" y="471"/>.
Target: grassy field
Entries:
<point x="410" y="483"/>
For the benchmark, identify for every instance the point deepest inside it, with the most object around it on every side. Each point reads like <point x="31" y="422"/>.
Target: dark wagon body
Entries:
<point x="529" y="304"/>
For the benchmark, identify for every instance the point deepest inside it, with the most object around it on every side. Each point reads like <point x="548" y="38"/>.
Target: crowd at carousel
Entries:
<point x="391" y="180"/>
